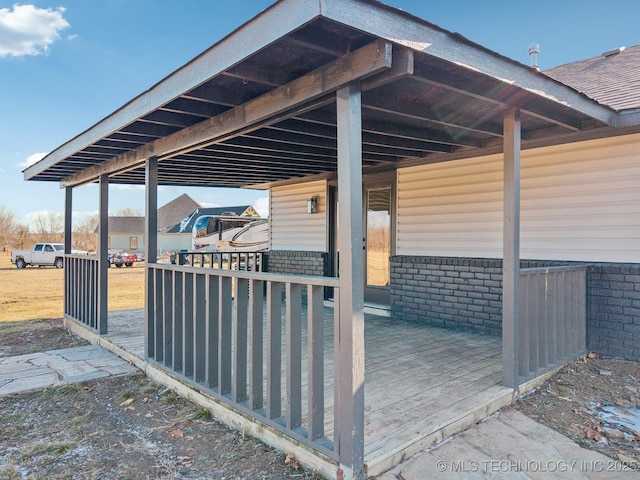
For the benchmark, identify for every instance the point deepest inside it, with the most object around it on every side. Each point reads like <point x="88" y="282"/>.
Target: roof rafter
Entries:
<point x="358" y="65"/>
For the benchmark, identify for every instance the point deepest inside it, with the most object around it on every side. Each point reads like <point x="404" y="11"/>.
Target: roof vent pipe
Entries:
<point x="615" y="51"/>
<point x="534" y="50"/>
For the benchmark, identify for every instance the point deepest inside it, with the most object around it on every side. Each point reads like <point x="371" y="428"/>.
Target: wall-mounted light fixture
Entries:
<point x="312" y="204"/>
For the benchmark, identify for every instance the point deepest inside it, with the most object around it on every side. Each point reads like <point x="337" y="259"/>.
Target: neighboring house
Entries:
<point x="409" y="169"/>
<point x="127" y="233"/>
<point x="174" y="211"/>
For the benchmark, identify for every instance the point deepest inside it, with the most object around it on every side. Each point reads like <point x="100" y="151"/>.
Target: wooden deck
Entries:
<point x="422" y="384"/>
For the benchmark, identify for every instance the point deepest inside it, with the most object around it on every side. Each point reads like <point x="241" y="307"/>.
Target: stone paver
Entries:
<point x="24" y="373"/>
<point x="510" y="446"/>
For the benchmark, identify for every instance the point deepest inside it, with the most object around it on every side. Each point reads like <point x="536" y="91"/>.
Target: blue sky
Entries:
<point x="67" y="64"/>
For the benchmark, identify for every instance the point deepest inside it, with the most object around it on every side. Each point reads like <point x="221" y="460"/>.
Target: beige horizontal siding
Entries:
<point x="578" y="202"/>
<point x="292" y="228"/>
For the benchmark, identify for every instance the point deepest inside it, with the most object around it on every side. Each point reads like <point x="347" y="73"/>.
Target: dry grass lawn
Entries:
<point x="35" y="293"/>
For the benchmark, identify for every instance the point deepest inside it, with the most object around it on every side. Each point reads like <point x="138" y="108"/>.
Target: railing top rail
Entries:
<point x="563" y="268"/>
<point x="82" y="256"/>
<point x="267" y="277"/>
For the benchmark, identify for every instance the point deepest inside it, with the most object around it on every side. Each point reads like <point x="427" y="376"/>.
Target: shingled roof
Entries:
<point x="174" y="211"/>
<point x="612" y="78"/>
<point x="126" y="225"/>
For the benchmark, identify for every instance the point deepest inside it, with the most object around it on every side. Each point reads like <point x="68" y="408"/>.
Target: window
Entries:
<point x="133" y="243"/>
<point x="38" y="247"/>
<point x="48" y="248"/>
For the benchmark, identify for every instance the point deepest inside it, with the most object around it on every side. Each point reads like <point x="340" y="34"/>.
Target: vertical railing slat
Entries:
<point x="274" y="350"/>
<point x="212" y="330"/>
<point x="240" y="339"/>
<point x="224" y="339"/>
<point x="167" y="315"/>
<point x="523" y="336"/>
<point x="256" y="304"/>
<point x="294" y="355"/>
<point x="178" y="296"/>
<point x="552" y="319"/>
<point x="315" y="346"/>
<point x="188" y="326"/>
<point x="582" y="311"/>
<point x="200" y="305"/>
<point x="543" y="330"/>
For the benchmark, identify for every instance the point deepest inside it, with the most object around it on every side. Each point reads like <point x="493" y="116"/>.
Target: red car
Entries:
<point x="122" y="258"/>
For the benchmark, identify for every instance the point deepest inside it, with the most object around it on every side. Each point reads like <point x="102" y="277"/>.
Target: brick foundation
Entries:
<point x="466" y="294"/>
<point x="296" y="262"/>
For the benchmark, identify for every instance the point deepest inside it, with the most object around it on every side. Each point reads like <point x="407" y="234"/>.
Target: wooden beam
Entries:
<point x="254" y="114"/>
<point x="269" y="26"/>
<point x="424" y="37"/>
<point x="150" y="251"/>
<point x="103" y="255"/>
<point x="511" y="250"/>
<point x="349" y="343"/>
<point x="68" y="215"/>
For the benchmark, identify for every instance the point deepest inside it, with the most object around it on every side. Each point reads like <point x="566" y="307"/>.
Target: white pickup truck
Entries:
<point x="41" y="254"/>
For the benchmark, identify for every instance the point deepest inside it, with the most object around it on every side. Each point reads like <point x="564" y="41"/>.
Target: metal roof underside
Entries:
<point x="434" y="109"/>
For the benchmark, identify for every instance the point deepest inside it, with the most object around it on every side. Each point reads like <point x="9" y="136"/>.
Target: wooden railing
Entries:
<point x="247" y="261"/>
<point x="81" y="289"/>
<point x="261" y="353"/>
<point x="552" y="318"/>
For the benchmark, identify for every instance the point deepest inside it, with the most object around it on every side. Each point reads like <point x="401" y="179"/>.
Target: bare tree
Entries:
<point x="85" y="236"/>
<point x="129" y="212"/>
<point x="49" y="226"/>
<point x="10" y="228"/>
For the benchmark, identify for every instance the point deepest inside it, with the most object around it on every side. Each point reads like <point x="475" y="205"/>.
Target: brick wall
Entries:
<point x="466" y="294"/>
<point x="457" y="293"/>
<point x="613" y="310"/>
<point x="296" y="262"/>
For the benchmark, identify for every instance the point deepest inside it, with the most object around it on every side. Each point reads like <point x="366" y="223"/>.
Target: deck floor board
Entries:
<point x="420" y="381"/>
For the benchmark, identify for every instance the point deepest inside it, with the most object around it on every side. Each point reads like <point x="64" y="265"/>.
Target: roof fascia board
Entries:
<point x="629" y="118"/>
<point x="363" y="63"/>
<point x="275" y="22"/>
<point x="412" y="32"/>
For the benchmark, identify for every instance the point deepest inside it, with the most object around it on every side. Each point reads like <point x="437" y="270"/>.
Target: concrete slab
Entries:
<point x="85" y="354"/>
<point x="510" y="446"/>
<point x="25" y="373"/>
<point x="21" y="358"/>
<point x="71" y="369"/>
<point x="20" y="385"/>
<point x="73" y="350"/>
<point x="87" y="376"/>
<point x="122" y="369"/>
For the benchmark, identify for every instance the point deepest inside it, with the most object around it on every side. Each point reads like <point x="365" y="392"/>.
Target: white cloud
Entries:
<point x="33" y="158"/>
<point x="210" y="205"/>
<point x="262" y="206"/>
<point x="28" y="30"/>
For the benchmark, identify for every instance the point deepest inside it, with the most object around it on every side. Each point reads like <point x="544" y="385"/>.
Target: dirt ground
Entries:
<point x="130" y="427"/>
<point x="118" y="428"/>
<point x="595" y="402"/>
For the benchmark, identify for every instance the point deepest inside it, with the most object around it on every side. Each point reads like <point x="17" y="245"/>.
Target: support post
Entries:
<point x="103" y="255"/>
<point x="511" y="250"/>
<point x="349" y="342"/>
<point x="68" y="228"/>
<point x="150" y="253"/>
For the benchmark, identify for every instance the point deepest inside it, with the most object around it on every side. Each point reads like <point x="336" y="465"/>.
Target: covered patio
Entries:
<point x="335" y="91"/>
<point x="443" y="381"/>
